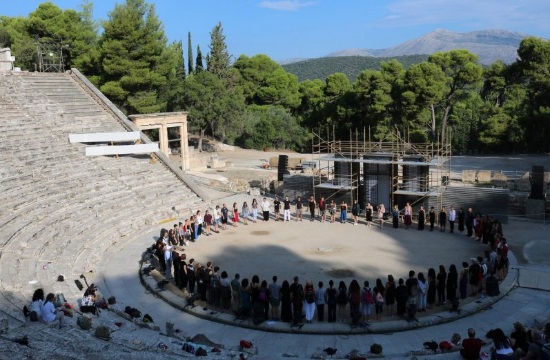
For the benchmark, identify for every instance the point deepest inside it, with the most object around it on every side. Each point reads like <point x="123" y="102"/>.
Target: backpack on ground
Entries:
<point x="102" y="332"/>
<point x="133" y="312"/>
<point x="33" y="316"/>
<point x="147" y="319"/>
<point x="84" y="322"/>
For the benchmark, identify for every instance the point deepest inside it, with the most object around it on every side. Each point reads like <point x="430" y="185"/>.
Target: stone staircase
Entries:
<point x="60" y="209"/>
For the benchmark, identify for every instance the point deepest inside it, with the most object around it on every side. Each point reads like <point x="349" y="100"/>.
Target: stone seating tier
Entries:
<point x="62" y="211"/>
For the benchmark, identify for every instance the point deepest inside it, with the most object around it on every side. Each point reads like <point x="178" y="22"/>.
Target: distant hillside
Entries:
<point x="320" y="68"/>
<point x="489" y="45"/>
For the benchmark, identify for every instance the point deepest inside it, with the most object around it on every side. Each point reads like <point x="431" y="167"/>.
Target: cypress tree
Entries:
<point x="198" y="62"/>
<point x="189" y="54"/>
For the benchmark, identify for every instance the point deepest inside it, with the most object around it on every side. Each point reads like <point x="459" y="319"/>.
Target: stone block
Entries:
<point x="254" y="192"/>
<point x="499" y="179"/>
<point x="484" y="176"/>
<point x="217" y="164"/>
<point x="534" y="209"/>
<point x="469" y="176"/>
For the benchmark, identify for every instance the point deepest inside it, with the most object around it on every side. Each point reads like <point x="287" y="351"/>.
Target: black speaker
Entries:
<point x="282" y="167"/>
<point x="537" y="182"/>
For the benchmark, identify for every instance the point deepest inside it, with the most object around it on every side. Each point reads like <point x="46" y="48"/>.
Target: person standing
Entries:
<point x="225" y="216"/>
<point x="469" y="221"/>
<point x="299" y="206"/>
<point x="421" y="218"/>
<point x="461" y="218"/>
<point x="265" y="209"/>
<point x="312" y="205"/>
<point x="432" y="218"/>
<point x="198" y="225"/>
<point x="236" y="293"/>
<point x="442" y="219"/>
<point x="254" y="210"/>
<point x="323" y="209"/>
<point x="320" y="299"/>
<point x="368" y="213"/>
<point x="381" y="211"/>
<point x="277" y="207"/>
<point x="441" y="285"/>
<point x="343" y="212"/>
<point x="332" y="211"/>
<point x="309" y="301"/>
<point x="217" y="219"/>
<point x="235" y="219"/>
<point x="286" y="207"/>
<point x="452" y="219"/>
<point x="275" y="298"/>
<point x="408" y="215"/>
<point x="245" y="213"/>
<point x="207" y="222"/>
<point x="395" y="217"/>
<point x="297" y="291"/>
<point x="355" y="209"/>
<point x="331" y="301"/>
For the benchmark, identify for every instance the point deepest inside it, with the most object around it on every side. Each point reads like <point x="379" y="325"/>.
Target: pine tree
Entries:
<point x="189" y="54"/>
<point x="132" y="47"/>
<point x="198" y="62"/>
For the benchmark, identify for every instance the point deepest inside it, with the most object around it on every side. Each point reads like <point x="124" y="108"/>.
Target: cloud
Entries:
<point x="470" y="13"/>
<point x="286" y="5"/>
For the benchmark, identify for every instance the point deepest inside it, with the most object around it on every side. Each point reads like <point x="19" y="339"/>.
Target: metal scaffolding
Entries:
<point x="390" y="172"/>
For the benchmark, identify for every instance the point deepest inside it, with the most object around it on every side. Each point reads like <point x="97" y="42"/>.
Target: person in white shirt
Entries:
<point x="265" y="208"/>
<point x="50" y="313"/>
<point x="452" y="218"/>
<point x="37" y="303"/>
<point x="168" y="261"/>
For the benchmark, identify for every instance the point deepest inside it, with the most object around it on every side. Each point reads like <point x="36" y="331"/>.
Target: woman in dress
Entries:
<point x="246" y="299"/>
<point x="342" y="301"/>
<point x="442" y="219"/>
<point x="390" y="295"/>
<point x="355" y="212"/>
<point x="235" y="219"/>
<point x="286" y="309"/>
<point x="422" y="292"/>
<point x="354" y="298"/>
<point x="395" y="217"/>
<point x="381" y="210"/>
<point x="309" y="301"/>
<point x="368" y="213"/>
<point x="254" y="210"/>
<point x="463" y="280"/>
<point x="441" y="285"/>
<point x="332" y="211"/>
<point x="245" y="213"/>
<point x="461" y="220"/>
<point x="408" y="215"/>
<point x="432" y="282"/>
<point x="331" y="301"/>
<point x="452" y="283"/>
<point x="432" y="218"/>
<point x="421" y="218"/>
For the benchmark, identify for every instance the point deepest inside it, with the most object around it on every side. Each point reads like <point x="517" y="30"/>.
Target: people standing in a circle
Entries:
<point x="343" y="212"/>
<point x="265" y="209"/>
<point x="286" y="209"/>
<point x="299" y="206"/>
<point x="381" y="210"/>
<point x="421" y="218"/>
<point x="277" y="207"/>
<point x="332" y="211"/>
<point x="442" y="219"/>
<point x="432" y="218"/>
<point x="452" y="219"/>
<point x="368" y="213"/>
<point x="312" y="205"/>
<point x="407" y="218"/>
<point x="235" y="219"/>
<point x="322" y="209"/>
<point x="225" y="216"/>
<point x="355" y="209"/>
<point x="395" y="216"/>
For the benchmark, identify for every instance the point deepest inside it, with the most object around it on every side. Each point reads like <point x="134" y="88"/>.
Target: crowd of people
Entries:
<point x="291" y="301"/>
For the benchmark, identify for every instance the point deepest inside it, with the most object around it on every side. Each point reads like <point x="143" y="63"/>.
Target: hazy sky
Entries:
<point x="313" y="28"/>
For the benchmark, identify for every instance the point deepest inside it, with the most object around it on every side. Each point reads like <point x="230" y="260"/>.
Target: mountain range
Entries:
<point x="489" y="45"/>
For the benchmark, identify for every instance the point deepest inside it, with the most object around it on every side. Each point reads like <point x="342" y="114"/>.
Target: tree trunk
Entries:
<point x="444" y="124"/>
<point x="432" y="108"/>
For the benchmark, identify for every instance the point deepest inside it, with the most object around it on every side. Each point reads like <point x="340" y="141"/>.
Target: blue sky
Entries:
<point x="312" y="28"/>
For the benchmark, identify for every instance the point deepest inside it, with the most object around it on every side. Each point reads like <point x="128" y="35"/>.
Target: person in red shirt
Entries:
<point x="471" y="346"/>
